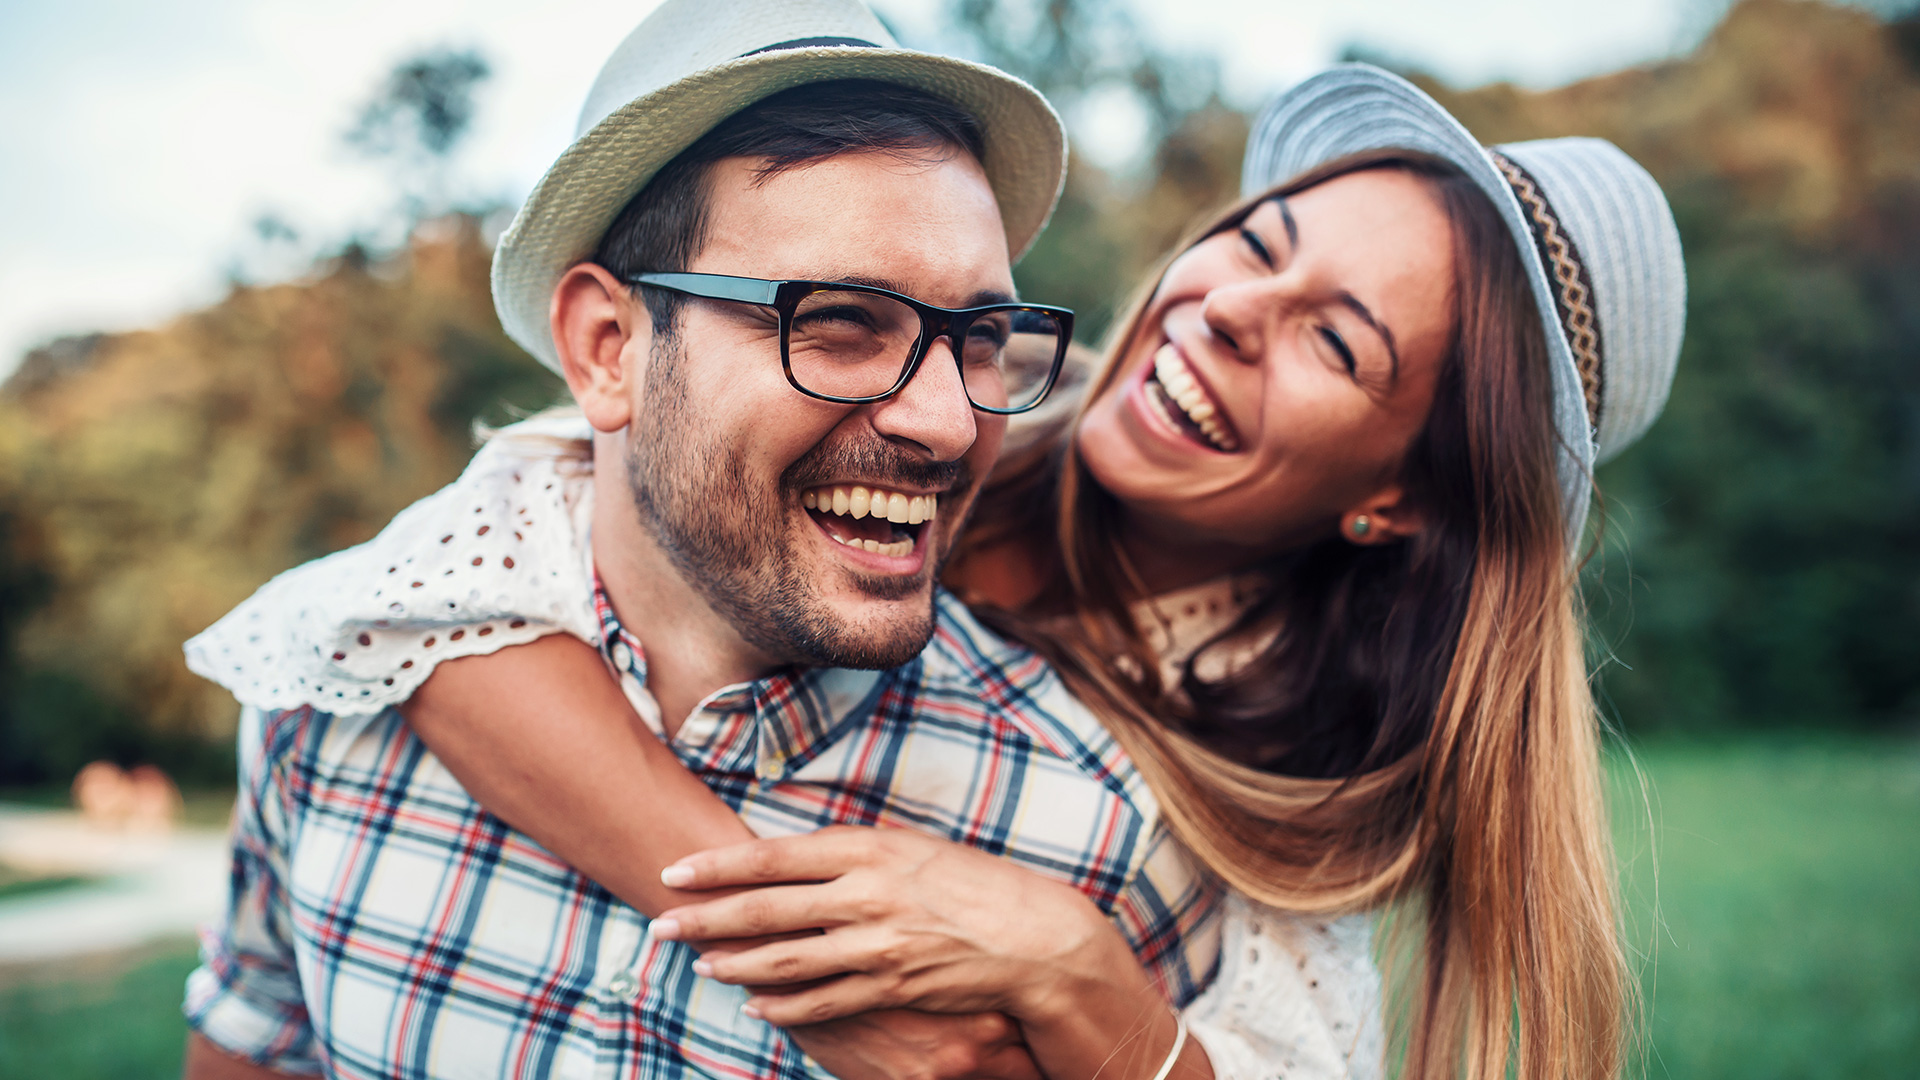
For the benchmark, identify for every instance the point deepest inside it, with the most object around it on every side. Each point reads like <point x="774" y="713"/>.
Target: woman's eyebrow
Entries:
<point x="1346" y="299"/>
<point x="1352" y="303"/>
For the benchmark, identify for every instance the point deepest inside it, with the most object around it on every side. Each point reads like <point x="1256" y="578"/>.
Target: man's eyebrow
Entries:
<point x="1352" y="303"/>
<point x="980" y="298"/>
<point x="861" y="279"/>
<point x="991" y="296"/>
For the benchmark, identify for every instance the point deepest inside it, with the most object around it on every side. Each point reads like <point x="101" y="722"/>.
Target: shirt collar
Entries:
<point x="769" y="726"/>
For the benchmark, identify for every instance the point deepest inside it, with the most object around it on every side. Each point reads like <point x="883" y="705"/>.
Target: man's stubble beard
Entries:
<point x="728" y="538"/>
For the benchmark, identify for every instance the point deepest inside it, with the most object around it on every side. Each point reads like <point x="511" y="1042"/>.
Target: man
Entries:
<point x="806" y="294"/>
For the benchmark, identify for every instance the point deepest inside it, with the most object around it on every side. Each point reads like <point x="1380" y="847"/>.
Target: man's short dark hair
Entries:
<point x="664" y="226"/>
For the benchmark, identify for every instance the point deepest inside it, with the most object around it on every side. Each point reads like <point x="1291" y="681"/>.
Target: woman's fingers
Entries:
<point x="779" y="909"/>
<point x="790" y="961"/>
<point x="831" y="1000"/>
<point x="815" y="856"/>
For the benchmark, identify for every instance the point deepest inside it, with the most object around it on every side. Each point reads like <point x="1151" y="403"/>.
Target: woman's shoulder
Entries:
<point x="495" y="558"/>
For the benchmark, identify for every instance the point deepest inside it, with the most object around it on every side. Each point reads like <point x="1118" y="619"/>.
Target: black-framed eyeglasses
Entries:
<point x="856" y="344"/>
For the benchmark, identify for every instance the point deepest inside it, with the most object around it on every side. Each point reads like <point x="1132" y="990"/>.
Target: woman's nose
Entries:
<point x="1240" y="314"/>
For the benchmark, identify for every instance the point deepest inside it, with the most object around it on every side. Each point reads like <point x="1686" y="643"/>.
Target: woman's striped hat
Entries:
<point x="1602" y="250"/>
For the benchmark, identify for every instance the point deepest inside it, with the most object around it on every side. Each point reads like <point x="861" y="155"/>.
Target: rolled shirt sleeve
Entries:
<point x="245" y="997"/>
<point x="1168" y="913"/>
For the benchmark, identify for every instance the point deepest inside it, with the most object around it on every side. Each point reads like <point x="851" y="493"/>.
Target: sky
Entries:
<point x="140" y="141"/>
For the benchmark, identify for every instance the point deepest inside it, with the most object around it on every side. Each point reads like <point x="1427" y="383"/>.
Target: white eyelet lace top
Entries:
<point x="501" y="557"/>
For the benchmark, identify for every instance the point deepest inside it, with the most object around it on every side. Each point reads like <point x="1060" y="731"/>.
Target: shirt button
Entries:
<point x="622" y="656"/>
<point x="623" y="986"/>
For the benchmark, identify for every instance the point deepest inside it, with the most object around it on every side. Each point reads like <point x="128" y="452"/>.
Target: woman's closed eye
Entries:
<point x="1339" y="345"/>
<point x="1258" y="246"/>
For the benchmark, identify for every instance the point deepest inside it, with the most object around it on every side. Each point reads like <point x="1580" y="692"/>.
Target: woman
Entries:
<point x="1356" y="418"/>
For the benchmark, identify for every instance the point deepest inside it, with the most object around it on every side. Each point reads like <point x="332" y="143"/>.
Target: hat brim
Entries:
<point x="1354" y="108"/>
<point x="571" y="208"/>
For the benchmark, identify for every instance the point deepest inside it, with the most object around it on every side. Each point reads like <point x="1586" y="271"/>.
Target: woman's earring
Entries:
<point x="1360" y="527"/>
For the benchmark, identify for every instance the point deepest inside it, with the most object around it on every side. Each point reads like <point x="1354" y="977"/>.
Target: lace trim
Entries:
<point x="497" y="558"/>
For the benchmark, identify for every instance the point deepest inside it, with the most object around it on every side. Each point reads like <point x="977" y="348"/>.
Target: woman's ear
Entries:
<point x="1382" y="519"/>
<point x="602" y="336"/>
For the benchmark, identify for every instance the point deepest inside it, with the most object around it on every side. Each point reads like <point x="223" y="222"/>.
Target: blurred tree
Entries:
<point x="1110" y="230"/>
<point x="177" y="469"/>
<point x="156" y="478"/>
<point x="1071" y="49"/>
<point x="1760" y="561"/>
<point x="1760" y="565"/>
<point x="24" y="586"/>
<point x="420" y="114"/>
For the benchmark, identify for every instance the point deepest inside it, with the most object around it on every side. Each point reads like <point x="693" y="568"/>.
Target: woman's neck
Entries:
<point x="1169" y="557"/>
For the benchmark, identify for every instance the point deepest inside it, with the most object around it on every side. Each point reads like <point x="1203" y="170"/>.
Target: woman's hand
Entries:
<point x="900" y="1044"/>
<point x="905" y="921"/>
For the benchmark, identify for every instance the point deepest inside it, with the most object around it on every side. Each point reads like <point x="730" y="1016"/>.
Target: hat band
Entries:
<point x="811" y="43"/>
<point x="1572" y="287"/>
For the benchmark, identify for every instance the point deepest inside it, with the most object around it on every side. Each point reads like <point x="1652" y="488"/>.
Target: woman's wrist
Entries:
<point x="1116" y="1034"/>
<point x="1092" y="962"/>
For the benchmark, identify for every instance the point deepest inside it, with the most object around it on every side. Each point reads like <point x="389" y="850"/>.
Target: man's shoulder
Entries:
<point x="1014" y="688"/>
<point x="311" y="754"/>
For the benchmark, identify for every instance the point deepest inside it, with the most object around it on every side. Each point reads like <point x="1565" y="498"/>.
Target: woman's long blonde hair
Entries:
<point x="1419" y="735"/>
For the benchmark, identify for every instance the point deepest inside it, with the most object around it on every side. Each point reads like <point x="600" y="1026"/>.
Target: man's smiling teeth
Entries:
<point x="857" y="501"/>
<point x="1178" y="387"/>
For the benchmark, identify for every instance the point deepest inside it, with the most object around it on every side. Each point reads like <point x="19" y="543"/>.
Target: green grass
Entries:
<point x="1787" y="943"/>
<point x="112" y="1017"/>
<point x="15" y="882"/>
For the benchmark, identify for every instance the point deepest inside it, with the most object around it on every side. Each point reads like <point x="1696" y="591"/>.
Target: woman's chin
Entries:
<point x="1111" y="456"/>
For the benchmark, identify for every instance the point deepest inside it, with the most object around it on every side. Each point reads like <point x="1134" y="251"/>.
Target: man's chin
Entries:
<point x="872" y="631"/>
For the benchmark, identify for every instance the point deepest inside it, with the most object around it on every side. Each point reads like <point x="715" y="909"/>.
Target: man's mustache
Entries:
<point x="879" y="462"/>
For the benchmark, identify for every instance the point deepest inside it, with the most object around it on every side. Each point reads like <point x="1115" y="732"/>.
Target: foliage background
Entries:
<point x="1754" y="585"/>
<point x="1757" y="565"/>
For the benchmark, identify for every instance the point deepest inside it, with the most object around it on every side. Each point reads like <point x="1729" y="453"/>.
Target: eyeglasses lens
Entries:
<point x="1008" y="356"/>
<point x="856" y="344"/>
<point x="850" y="344"/>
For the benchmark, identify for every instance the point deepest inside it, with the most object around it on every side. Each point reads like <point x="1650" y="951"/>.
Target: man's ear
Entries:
<point x="1383" y="518"/>
<point x="602" y="338"/>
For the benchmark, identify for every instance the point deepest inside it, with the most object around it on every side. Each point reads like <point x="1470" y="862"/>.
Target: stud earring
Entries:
<point x="1361" y="526"/>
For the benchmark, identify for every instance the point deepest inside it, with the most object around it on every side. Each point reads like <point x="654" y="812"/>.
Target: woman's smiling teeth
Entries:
<point x="871" y="507"/>
<point x="1186" y="402"/>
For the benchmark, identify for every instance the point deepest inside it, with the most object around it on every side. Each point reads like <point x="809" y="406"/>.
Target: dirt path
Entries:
<point x="149" y="885"/>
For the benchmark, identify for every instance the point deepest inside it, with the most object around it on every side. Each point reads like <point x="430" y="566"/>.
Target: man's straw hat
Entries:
<point x="1593" y="229"/>
<point x="693" y="63"/>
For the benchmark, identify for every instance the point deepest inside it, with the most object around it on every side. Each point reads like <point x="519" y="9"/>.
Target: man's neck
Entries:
<point x="691" y="650"/>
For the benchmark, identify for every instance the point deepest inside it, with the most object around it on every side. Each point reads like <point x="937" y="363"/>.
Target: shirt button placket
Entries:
<point x="621" y="955"/>
<point x="624" y="987"/>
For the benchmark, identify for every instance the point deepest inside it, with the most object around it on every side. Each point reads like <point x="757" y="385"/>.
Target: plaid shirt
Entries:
<point x="381" y="924"/>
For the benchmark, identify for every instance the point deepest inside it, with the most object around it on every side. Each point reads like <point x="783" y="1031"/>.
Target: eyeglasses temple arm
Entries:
<point x="714" y="286"/>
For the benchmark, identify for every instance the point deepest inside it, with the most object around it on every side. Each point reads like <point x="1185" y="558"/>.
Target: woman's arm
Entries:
<point x="910" y="921"/>
<point x="542" y="736"/>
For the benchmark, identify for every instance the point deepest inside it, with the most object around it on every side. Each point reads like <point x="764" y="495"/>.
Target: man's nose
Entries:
<point x="932" y="411"/>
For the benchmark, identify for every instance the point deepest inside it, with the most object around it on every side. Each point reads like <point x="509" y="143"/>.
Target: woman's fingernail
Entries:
<point x="749" y="1011"/>
<point x="666" y="928"/>
<point x="677" y="877"/>
<point x="703" y="969"/>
